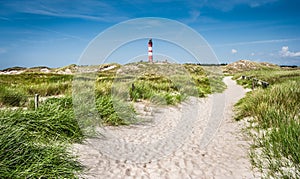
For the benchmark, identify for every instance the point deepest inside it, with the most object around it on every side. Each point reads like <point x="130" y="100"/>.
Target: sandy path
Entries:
<point x="197" y="139"/>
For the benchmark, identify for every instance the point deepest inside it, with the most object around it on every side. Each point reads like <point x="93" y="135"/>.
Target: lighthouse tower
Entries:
<point x="150" y="54"/>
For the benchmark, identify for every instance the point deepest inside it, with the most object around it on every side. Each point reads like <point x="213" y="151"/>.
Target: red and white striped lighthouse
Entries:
<point x="150" y="54"/>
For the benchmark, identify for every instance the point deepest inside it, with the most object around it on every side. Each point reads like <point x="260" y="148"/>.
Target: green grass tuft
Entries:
<point x="275" y="111"/>
<point x="11" y="97"/>
<point x="34" y="143"/>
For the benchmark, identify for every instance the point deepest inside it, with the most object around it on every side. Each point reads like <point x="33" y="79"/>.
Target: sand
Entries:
<point x="197" y="139"/>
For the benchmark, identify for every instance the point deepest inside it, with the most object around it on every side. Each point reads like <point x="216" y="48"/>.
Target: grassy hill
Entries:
<point x="246" y="65"/>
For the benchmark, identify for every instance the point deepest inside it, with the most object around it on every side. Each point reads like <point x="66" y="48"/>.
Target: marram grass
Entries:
<point x="275" y="111"/>
<point x="33" y="144"/>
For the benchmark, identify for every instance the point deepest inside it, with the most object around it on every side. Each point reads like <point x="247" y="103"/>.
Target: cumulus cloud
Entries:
<point x="234" y="51"/>
<point x="286" y="53"/>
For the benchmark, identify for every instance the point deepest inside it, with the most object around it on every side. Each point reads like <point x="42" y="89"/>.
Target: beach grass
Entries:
<point x="17" y="90"/>
<point x="35" y="143"/>
<point x="271" y="76"/>
<point x="275" y="123"/>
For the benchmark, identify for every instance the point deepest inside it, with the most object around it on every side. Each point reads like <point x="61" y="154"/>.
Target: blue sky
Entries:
<point x="55" y="32"/>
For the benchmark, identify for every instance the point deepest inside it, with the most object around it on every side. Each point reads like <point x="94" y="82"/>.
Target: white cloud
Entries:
<point x="286" y="53"/>
<point x="228" y="5"/>
<point x="234" y="51"/>
<point x="88" y="9"/>
<point x="252" y="54"/>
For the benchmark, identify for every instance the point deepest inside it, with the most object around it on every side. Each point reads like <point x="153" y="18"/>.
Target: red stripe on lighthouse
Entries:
<point x="150" y="54"/>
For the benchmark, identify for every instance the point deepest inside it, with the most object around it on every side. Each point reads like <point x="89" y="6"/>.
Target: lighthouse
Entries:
<point x="150" y="54"/>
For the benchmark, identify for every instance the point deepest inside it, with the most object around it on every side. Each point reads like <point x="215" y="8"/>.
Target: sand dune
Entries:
<point x="197" y="139"/>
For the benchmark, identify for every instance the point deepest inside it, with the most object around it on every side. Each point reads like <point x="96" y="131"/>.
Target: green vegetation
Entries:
<point x="116" y="89"/>
<point x="106" y="108"/>
<point x="170" y="82"/>
<point x="11" y="97"/>
<point x="34" y="143"/>
<point x="214" y="82"/>
<point x="40" y="83"/>
<point x="150" y="82"/>
<point x="275" y="122"/>
<point x="270" y="76"/>
<point x="246" y="65"/>
<point x="158" y="88"/>
<point x="159" y="83"/>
